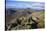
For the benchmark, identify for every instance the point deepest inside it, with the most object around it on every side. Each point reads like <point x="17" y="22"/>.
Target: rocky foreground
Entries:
<point x="24" y="19"/>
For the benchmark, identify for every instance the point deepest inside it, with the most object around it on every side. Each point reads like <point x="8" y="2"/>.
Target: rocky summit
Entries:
<point x="24" y="19"/>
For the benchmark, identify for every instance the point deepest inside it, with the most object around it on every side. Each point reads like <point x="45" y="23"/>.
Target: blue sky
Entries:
<point x="25" y="4"/>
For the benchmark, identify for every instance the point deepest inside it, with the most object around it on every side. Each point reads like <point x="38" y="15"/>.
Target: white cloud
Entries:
<point x="29" y="0"/>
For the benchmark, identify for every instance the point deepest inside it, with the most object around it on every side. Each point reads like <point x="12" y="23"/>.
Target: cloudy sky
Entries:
<point x="35" y="4"/>
<point x="28" y="0"/>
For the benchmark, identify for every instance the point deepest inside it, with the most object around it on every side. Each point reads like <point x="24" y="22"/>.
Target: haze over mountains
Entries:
<point x="23" y="4"/>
